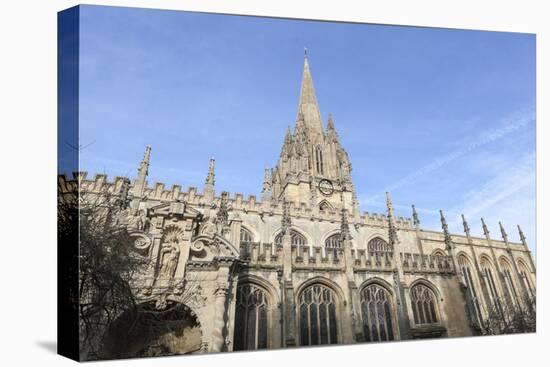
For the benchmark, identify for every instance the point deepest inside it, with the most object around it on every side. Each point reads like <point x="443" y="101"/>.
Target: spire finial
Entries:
<point x="448" y="240"/>
<point x="466" y="227"/>
<point x="503" y="232"/>
<point x="143" y="169"/>
<point x="392" y="231"/>
<point x="416" y="221"/>
<point x="210" y="177"/>
<point x="485" y="229"/>
<point x="307" y="103"/>
<point x="330" y="123"/>
<point x="522" y="236"/>
<point x="389" y="204"/>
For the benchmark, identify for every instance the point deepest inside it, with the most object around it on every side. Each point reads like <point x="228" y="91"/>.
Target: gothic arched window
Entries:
<point x="508" y="280"/>
<point x="250" y="318"/>
<point x="296" y="239"/>
<point x="317" y="314"/>
<point x="424" y="305"/>
<point x="333" y="243"/>
<point x="376" y="311"/>
<point x="377" y="244"/>
<point x="526" y="278"/>
<point x="319" y="159"/>
<point x="465" y="268"/>
<point x="487" y="270"/>
<point x="325" y="206"/>
<point x="246" y="235"/>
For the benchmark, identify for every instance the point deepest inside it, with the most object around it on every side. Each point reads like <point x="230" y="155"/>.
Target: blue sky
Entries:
<point x="443" y="119"/>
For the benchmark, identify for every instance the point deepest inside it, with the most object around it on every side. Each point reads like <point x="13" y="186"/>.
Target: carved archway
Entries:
<point x="153" y="329"/>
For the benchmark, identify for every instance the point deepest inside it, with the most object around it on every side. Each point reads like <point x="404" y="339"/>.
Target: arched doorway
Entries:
<point x="151" y="331"/>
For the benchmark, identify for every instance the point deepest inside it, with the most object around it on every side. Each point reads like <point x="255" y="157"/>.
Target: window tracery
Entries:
<point x="424" y="305"/>
<point x="296" y="238"/>
<point x="509" y="282"/>
<point x="465" y="268"/>
<point x="487" y="269"/>
<point x="251" y="310"/>
<point x="317" y="314"/>
<point x="376" y="311"/>
<point x="377" y="244"/>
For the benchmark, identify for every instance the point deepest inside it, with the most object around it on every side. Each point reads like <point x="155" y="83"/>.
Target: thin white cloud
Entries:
<point x="505" y="197"/>
<point x="478" y="141"/>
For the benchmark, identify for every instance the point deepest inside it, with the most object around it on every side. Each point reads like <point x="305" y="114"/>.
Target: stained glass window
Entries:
<point x="490" y="283"/>
<point x="317" y="314"/>
<point x="250" y="318"/>
<point x="376" y="311"/>
<point x="424" y="305"/>
<point x="510" y="287"/>
<point x="333" y="243"/>
<point x="379" y="245"/>
<point x="465" y="267"/>
<point x="296" y="239"/>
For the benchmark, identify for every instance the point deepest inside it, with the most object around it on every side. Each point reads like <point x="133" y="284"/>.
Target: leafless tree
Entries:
<point x="507" y="317"/>
<point x="106" y="261"/>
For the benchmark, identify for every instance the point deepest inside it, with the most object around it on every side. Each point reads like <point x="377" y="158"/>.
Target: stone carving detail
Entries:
<point x="222" y="217"/>
<point x="416" y="220"/>
<point x="344" y="227"/>
<point x="286" y="222"/>
<point x="197" y="299"/>
<point x="448" y="240"/>
<point x="169" y="253"/>
<point x="142" y="222"/>
<point x="392" y="230"/>
<point x="169" y="261"/>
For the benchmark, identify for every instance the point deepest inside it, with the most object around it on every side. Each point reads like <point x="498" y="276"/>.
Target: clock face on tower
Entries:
<point x="326" y="187"/>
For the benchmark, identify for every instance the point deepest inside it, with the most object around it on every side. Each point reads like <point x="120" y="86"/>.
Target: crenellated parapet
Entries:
<point x="158" y="192"/>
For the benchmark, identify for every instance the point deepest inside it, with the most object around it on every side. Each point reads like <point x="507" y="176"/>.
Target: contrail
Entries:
<point x="483" y="139"/>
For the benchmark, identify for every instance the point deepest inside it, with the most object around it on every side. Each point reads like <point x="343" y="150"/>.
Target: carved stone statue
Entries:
<point x="142" y="222"/>
<point x="169" y="260"/>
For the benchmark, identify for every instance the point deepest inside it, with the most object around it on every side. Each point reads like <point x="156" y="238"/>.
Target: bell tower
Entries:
<point x="313" y="167"/>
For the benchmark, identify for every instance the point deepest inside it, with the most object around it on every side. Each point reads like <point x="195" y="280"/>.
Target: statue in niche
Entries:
<point x="169" y="260"/>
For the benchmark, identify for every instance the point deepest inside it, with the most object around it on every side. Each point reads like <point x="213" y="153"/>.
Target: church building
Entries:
<point x="302" y="265"/>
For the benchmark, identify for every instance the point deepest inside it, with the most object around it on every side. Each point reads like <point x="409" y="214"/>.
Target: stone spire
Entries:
<point x="209" y="182"/>
<point x="465" y="225"/>
<point x="142" y="172"/>
<point x="503" y="232"/>
<point x="485" y="229"/>
<point x="448" y="240"/>
<point x="143" y="169"/>
<point x="522" y="236"/>
<point x="287" y="145"/>
<point x="211" y="176"/>
<point x="392" y="231"/>
<point x="416" y="221"/>
<point x="332" y="135"/>
<point x="307" y="105"/>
